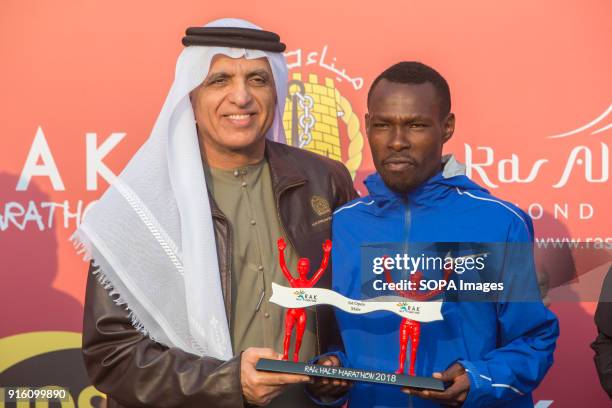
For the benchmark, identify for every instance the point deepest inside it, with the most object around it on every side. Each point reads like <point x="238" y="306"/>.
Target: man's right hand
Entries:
<point x="326" y="387"/>
<point x="260" y="387"/>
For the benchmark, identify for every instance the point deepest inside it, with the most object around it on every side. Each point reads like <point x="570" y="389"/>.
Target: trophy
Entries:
<point x="411" y="329"/>
<point x="413" y="312"/>
<point x="298" y="314"/>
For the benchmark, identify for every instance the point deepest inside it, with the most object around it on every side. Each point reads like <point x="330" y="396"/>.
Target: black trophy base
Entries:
<point x="350" y="374"/>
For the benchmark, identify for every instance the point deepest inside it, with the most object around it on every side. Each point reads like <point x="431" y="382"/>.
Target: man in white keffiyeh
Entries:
<point x="182" y="243"/>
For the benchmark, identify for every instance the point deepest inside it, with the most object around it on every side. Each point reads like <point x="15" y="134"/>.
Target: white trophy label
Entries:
<point x="304" y="297"/>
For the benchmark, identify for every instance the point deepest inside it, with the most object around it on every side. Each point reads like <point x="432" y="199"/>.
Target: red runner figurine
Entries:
<point x="298" y="314"/>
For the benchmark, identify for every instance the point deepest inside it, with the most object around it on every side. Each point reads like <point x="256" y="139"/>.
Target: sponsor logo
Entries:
<point x="320" y="205"/>
<point x="405" y="307"/>
<point x="302" y="296"/>
<point x="592" y="163"/>
<point x="318" y="117"/>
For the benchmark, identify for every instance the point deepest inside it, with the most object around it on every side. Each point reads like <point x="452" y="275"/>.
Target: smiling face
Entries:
<point x="234" y="108"/>
<point x="406" y="132"/>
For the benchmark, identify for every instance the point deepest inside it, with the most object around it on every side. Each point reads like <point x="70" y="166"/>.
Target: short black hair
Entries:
<point x="413" y="72"/>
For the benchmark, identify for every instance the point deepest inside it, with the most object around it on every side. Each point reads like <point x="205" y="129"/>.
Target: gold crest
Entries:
<point x="320" y="205"/>
<point x="313" y="113"/>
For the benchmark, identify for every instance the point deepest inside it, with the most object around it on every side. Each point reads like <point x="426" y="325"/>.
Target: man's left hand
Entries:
<point x="453" y="396"/>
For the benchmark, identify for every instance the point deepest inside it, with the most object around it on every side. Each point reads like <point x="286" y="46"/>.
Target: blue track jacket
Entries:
<point x="506" y="347"/>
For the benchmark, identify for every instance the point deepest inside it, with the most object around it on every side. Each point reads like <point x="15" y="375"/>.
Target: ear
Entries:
<point x="367" y="122"/>
<point x="449" y="127"/>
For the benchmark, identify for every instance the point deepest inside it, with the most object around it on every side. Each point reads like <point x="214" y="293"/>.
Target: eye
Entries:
<point x="380" y="125"/>
<point x="217" y="81"/>
<point x="258" y="80"/>
<point x="417" y="125"/>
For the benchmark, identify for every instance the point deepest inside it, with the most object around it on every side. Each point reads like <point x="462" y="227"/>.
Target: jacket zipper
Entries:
<point x="407" y="228"/>
<point x="407" y="223"/>
<point x="278" y="214"/>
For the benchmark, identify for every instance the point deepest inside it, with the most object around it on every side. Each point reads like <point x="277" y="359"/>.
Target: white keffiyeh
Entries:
<point x="151" y="234"/>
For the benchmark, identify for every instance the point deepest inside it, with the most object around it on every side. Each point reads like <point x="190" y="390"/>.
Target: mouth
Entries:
<point x="399" y="163"/>
<point x="240" y="119"/>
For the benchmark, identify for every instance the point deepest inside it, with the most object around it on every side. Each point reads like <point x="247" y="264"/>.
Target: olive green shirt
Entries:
<point x="246" y="197"/>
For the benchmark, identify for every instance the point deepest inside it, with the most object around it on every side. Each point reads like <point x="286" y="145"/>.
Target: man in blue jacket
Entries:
<point x="488" y="353"/>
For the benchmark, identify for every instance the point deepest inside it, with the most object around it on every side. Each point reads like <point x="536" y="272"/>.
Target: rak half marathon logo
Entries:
<point x="302" y="296"/>
<point x="407" y="307"/>
<point x="318" y="117"/>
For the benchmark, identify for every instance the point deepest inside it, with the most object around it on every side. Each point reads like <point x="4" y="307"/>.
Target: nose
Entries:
<point x="398" y="140"/>
<point x="240" y="94"/>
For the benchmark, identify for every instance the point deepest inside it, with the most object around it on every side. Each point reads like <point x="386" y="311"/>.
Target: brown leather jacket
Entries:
<point x="134" y="371"/>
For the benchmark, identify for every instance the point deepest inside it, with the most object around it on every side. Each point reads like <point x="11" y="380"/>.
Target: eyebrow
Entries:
<point x="222" y="74"/>
<point x="402" y="118"/>
<point x="259" y="72"/>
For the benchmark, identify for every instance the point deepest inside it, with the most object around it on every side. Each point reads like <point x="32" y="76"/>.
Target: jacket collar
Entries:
<point x="284" y="174"/>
